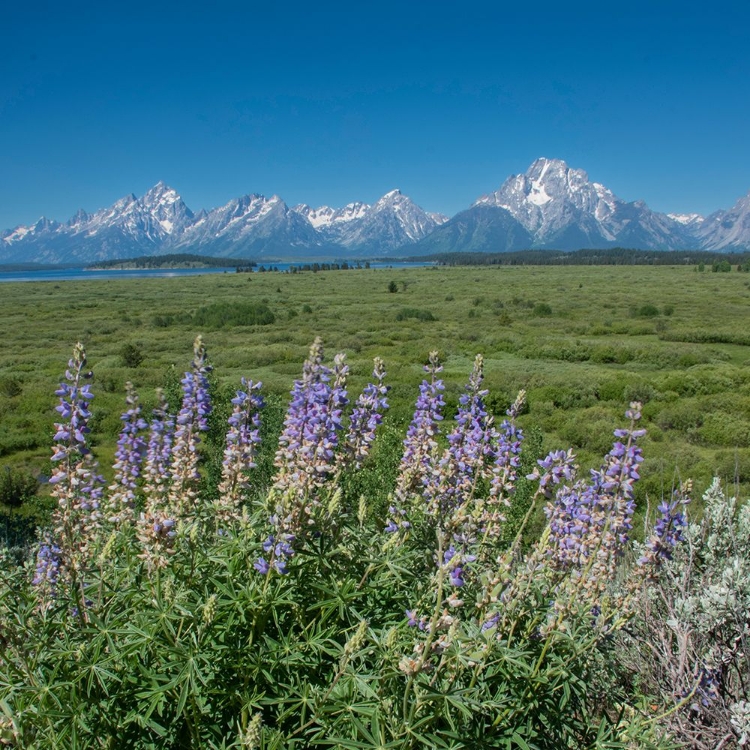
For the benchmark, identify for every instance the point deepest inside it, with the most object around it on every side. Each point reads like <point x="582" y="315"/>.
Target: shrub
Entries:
<point x="392" y="287"/>
<point x="647" y="311"/>
<point x="222" y="314"/>
<point x="11" y="387"/>
<point x="541" y="310"/>
<point x="131" y="355"/>
<point x="16" y="487"/>
<point x="695" y="621"/>
<point x="411" y="312"/>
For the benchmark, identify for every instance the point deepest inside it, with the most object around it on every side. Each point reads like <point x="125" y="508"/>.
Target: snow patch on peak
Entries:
<point x="687" y="219"/>
<point x="538" y="195"/>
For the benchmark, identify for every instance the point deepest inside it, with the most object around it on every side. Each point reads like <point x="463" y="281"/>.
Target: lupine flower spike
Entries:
<point x="420" y="446"/>
<point x="242" y="441"/>
<point x="590" y="522"/>
<point x="191" y="421"/>
<point x="505" y="468"/>
<point x="667" y="532"/>
<point x="366" y="417"/>
<point x="158" y="454"/>
<point x="306" y="456"/>
<point x="156" y="526"/>
<point x="47" y="571"/>
<point x="128" y="458"/>
<point x="76" y="484"/>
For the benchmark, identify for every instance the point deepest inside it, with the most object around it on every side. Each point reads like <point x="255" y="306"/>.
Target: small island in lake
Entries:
<point x="174" y="260"/>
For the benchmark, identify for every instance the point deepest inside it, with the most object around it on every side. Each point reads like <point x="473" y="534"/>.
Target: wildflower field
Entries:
<point x="475" y="526"/>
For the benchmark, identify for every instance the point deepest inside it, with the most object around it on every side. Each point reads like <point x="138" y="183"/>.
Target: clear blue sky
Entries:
<point x="330" y="102"/>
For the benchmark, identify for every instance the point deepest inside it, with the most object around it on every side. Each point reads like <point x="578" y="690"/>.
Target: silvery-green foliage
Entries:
<point x="740" y="718"/>
<point x="697" y="622"/>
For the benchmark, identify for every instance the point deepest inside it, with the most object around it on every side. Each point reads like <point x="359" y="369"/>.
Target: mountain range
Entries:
<point x="550" y="206"/>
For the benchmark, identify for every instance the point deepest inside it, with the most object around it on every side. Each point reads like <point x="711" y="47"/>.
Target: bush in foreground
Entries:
<point x="162" y="612"/>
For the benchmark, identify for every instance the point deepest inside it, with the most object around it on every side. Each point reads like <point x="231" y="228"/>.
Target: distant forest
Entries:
<point x="616" y="256"/>
<point x="183" y="260"/>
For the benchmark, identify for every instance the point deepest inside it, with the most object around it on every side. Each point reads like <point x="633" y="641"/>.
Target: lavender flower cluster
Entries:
<point x="242" y="442"/>
<point x="460" y="491"/>
<point x="128" y="458"/>
<point x="191" y="421"/>
<point x="590" y="521"/>
<point x="668" y="530"/>
<point x="76" y="484"/>
<point x="308" y="455"/>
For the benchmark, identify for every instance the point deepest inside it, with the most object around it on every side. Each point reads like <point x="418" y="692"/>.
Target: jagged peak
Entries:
<point x="392" y="193"/>
<point x="162" y="190"/>
<point x="544" y="161"/>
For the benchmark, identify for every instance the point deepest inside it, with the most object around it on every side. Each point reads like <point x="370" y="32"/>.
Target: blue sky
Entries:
<point x="330" y="102"/>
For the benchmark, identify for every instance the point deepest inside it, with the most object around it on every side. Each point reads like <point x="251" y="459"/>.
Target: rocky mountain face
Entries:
<point x="558" y="207"/>
<point x="249" y="227"/>
<point x="727" y="229"/>
<point x="551" y="206"/>
<point x="394" y="221"/>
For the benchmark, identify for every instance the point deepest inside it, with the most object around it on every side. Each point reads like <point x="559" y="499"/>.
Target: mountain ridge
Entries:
<point x="550" y="206"/>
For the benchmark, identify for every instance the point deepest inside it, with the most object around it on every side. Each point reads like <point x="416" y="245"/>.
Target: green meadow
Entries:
<point x="582" y="341"/>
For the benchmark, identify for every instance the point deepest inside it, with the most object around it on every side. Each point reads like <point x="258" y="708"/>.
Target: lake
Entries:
<point x="78" y="274"/>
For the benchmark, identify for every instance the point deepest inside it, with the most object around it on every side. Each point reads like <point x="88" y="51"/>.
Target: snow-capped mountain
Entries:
<point x="393" y="221"/>
<point x="552" y="205"/>
<point x="326" y="217"/>
<point x="250" y="226"/>
<point x="144" y="224"/>
<point x="727" y="230"/>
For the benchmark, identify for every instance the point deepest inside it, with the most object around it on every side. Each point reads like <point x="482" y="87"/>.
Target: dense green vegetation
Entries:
<point x="246" y="591"/>
<point x="583" y="341"/>
<point x="615" y="256"/>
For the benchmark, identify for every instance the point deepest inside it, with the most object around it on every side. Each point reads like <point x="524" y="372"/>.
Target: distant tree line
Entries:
<point x="315" y="267"/>
<point x="175" y="259"/>
<point x="616" y="256"/>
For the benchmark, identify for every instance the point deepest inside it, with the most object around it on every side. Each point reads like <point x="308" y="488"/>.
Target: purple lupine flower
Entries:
<point x="507" y="454"/>
<point x="242" y="440"/>
<point x="47" y="571"/>
<point x="158" y="454"/>
<point x="411" y="618"/>
<point x="558" y="466"/>
<point x="76" y="485"/>
<point x="129" y="455"/>
<point x="262" y="566"/>
<point x="191" y="421"/>
<point x="570" y="517"/>
<point x="156" y="528"/>
<point x="454" y="563"/>
<point x="306" y="457"/>
<point x="469" y="445"/>
<point x="366" y="417"/>
<point x="279" y="550"/>
<point x="668" y="531"/>
<point x="590" y="522"/>
<point x="490" y="622"/>
<point x="156" y="533"/>
<point x="420" y="446"/>
<point x="614" y="485"/>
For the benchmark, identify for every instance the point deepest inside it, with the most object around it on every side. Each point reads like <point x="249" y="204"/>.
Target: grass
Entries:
<point x="582" y="341"/>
